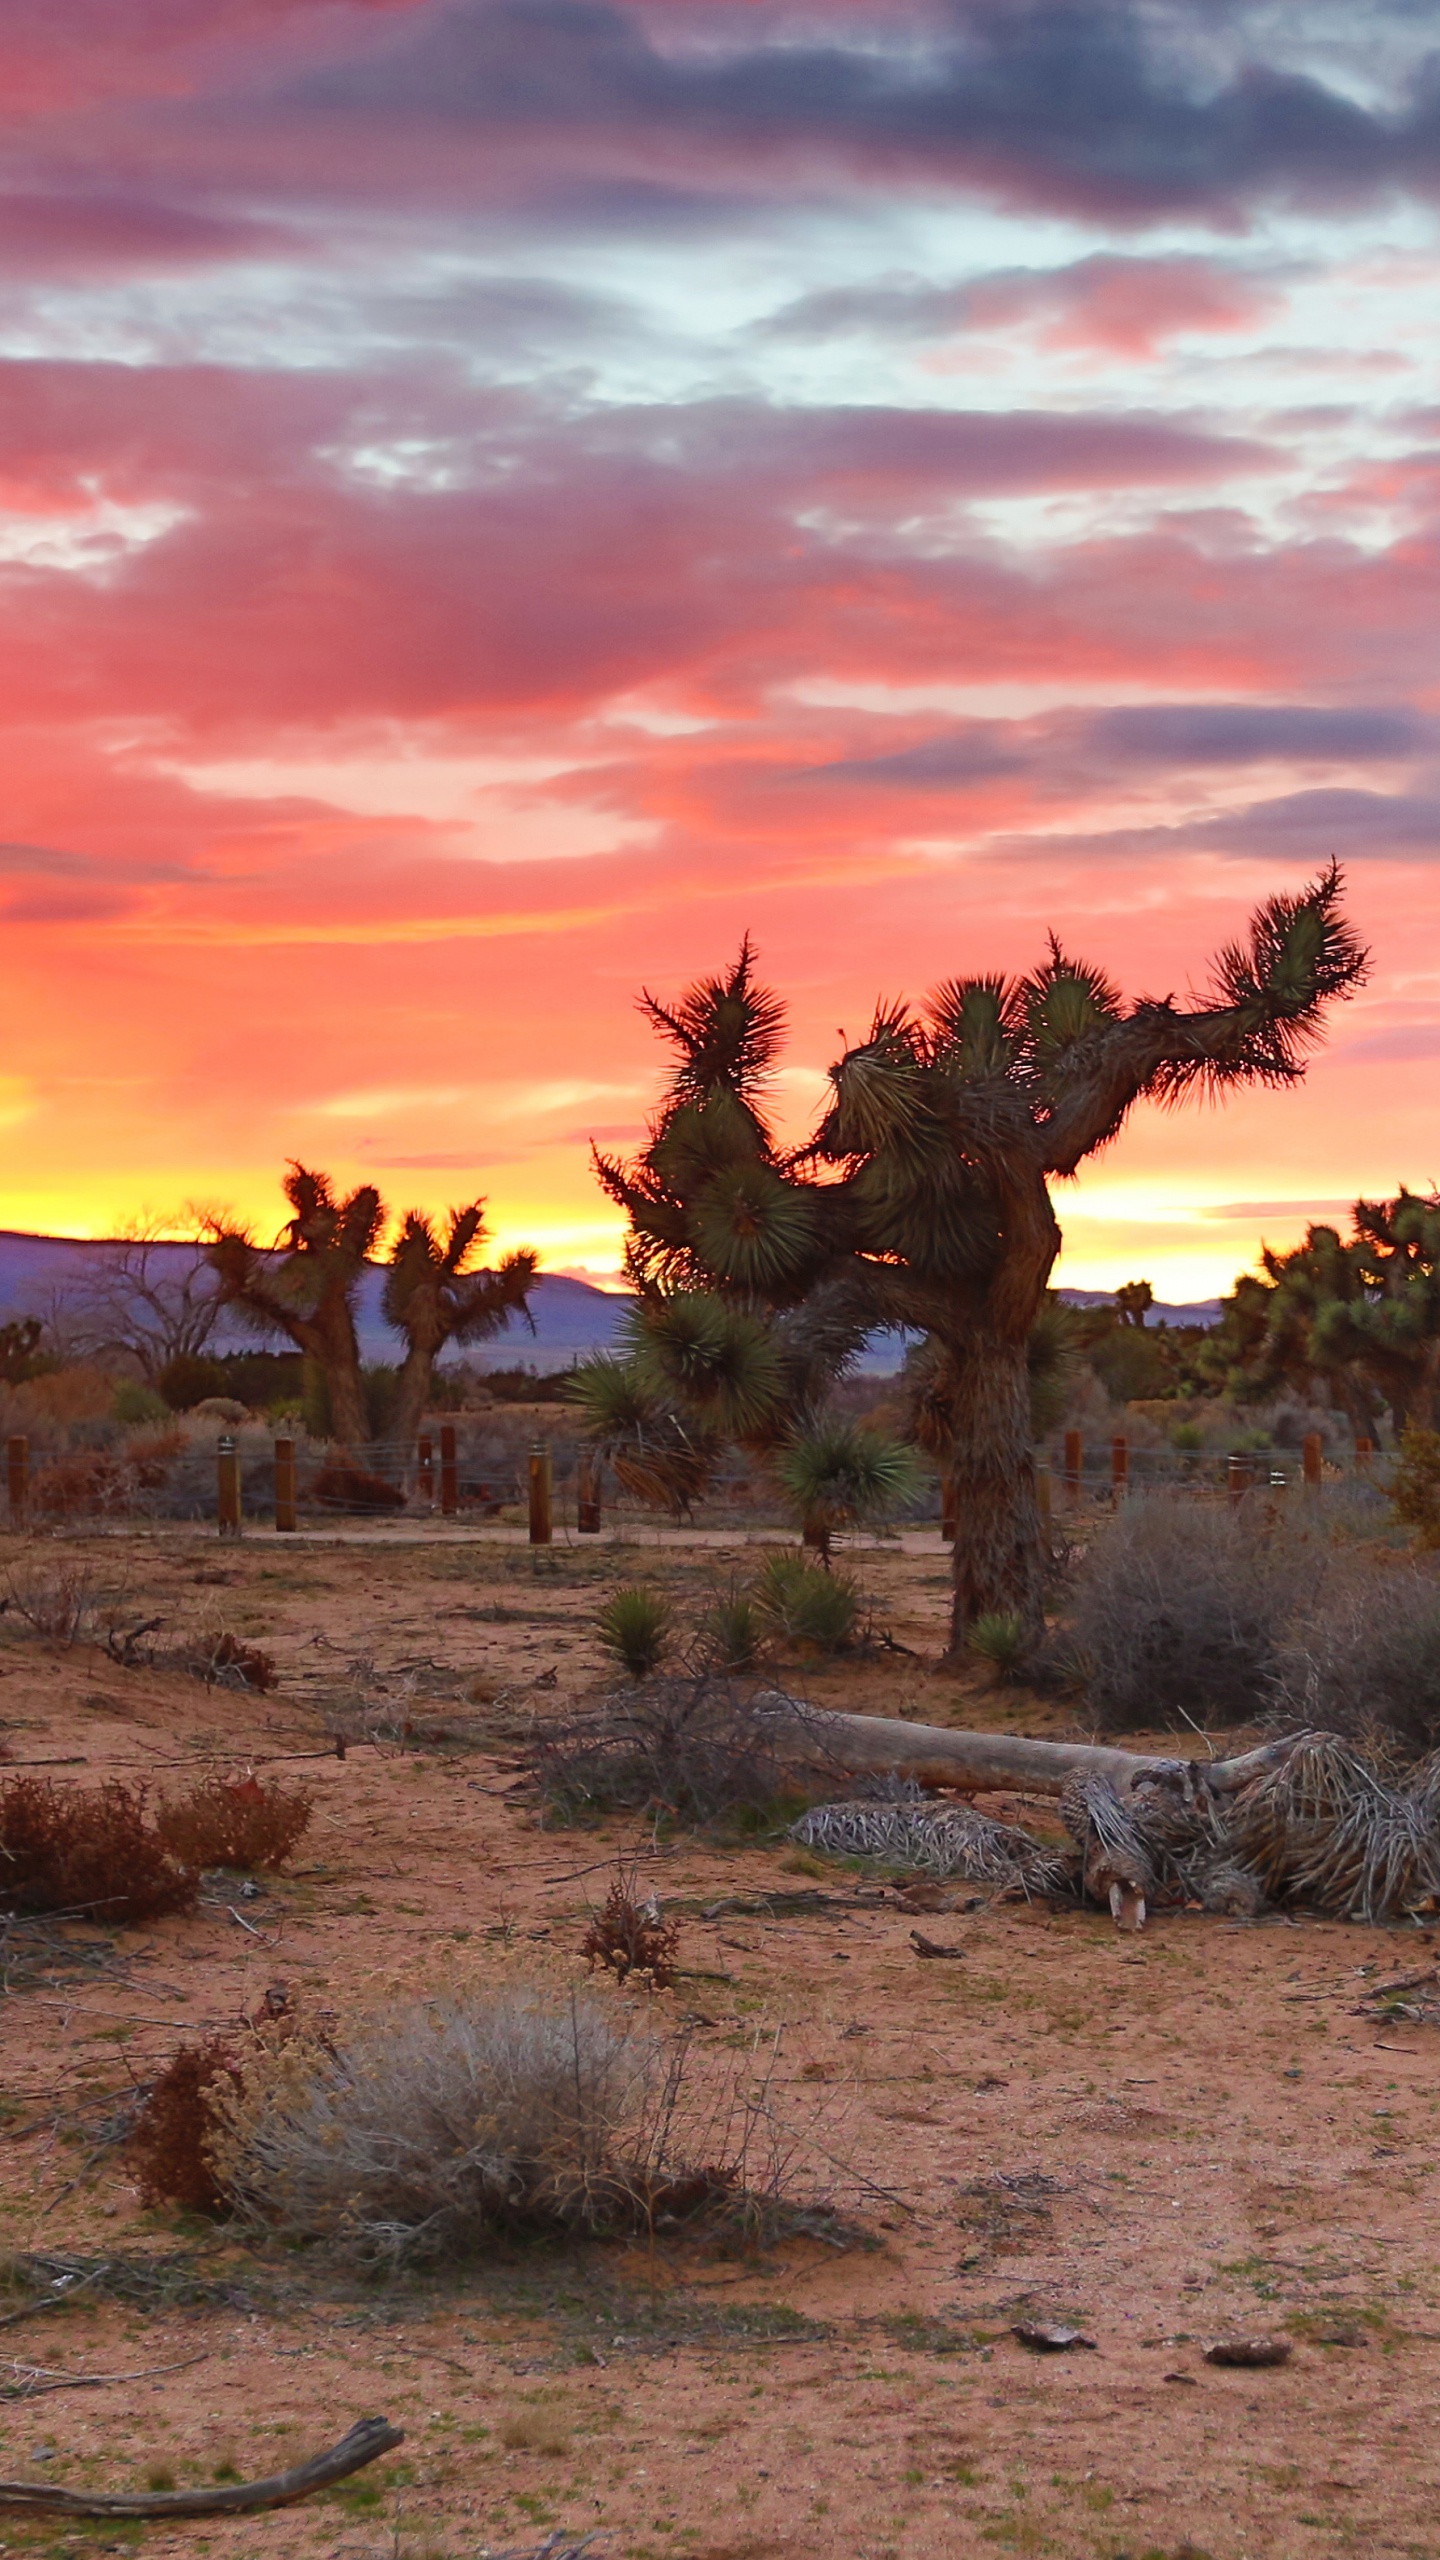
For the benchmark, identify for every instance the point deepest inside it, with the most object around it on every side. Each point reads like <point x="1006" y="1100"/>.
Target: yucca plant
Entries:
<point x="634" y="1625"/>
<point x="1000" y="1639"/>
<point x="923" y="1197"/>
<point x="732" y="1631"/>
<point x="839" y="1476"/>
<point x="806" y="1604"/>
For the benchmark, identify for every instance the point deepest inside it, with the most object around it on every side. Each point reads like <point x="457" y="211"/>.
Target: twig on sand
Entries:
<point x="32" y="2380"/>
<point x="365" y="2443"/>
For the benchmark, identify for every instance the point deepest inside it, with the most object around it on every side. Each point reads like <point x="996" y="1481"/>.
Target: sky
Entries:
<point x="499" y="498"/>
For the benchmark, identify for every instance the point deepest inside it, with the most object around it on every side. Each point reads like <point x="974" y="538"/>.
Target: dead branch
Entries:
<point x="978" y="1763"/>
<point x="33" y="2380"/>
<point x="365" y="2443"/>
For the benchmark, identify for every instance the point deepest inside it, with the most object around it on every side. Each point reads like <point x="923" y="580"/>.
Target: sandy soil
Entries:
<point x="1162" y="2140"/>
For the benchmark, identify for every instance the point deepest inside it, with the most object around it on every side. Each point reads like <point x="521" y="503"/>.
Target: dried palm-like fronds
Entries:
<point x="1324" y="1827"/>
<point x="937" y="1840"/>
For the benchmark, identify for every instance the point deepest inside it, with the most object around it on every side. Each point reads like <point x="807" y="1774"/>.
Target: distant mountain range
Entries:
<point x="572" y="1319"/>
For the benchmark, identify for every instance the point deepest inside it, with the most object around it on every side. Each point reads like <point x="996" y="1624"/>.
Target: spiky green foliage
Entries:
<point x="923" y="1196"/>
<point x="840" y="1476"/>
<point x="732" y="1631"/>
<point x="634" y="1626"/>
<point x="1000" y="1639"/>
<point x="658" y="1454"/>
<point x="804" y="1604"/>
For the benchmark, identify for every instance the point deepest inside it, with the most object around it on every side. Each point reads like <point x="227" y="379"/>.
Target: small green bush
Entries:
<point x="634" y="1626"/>
<point x="806" y="1603"/>
<point x="1001" y="1641"/>
<point x="1415" y="1487"/>
<point x="135" y="1402"/>
<point x="732" y="1631"/>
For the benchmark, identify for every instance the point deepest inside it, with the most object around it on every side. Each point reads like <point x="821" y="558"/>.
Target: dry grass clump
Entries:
<point x="695" y="1745"/>
<point x="61" y="1601"/>
<point x="170" y="2145"/>
<point x="449" y="2126"/>
<point x="1179" y="1609"/>
<point x="91" y="1851"/>
<point x="1362" y="1657"/>
<point x="226" y="1661"/>
<point x="241" y="1821"/>
<point x="628" y="1936"/>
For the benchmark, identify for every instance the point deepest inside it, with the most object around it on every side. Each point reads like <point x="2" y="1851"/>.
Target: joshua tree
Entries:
<point x="306" y="1286"/>
<point x="925" y="1192"/>
<point x="1360" y="1318"/>
<point x="432" y="1299"/>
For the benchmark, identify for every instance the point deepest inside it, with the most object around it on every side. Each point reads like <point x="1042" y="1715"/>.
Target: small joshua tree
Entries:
<point x="306" y="1287"/>
<point x="431" y="1298"/>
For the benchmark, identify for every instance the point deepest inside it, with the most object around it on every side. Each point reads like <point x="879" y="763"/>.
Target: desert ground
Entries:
<point x="1156" y="2140"/>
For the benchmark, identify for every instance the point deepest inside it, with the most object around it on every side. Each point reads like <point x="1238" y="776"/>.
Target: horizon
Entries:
<point x="499" y="498"/>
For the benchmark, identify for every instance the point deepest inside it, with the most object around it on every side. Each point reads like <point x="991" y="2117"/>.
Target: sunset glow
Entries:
<point x="498" y="499"/>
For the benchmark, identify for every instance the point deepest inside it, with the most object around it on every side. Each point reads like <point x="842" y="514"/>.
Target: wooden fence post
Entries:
<point x="17" y="1478"/>
<point x="587" y="1495"/>
<point x="1045" y="1493"/>
<point x="425" y="1481"/>
<point x="540" y="1495"/>
<point x="449" y="1472"/>
<point x="1074" y="1464"/>
<point x="286" y="1512"/>
<point x="949" y="1508"/>
<point x="1314" y="1462"/>
<point x="1119" y="1466"/>
<point x="1239" y="1475"/>
<point x="227" y="1486"/>
<point x="1364" y="1451"/>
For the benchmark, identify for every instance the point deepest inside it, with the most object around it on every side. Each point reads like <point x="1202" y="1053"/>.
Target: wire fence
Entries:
<point x="557" y="1485"/>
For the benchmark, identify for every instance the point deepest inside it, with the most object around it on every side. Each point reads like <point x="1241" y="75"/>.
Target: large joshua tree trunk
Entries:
<point x="998" y="1563"/>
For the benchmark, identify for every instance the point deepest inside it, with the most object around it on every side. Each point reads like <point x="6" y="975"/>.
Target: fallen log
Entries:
<point x="822" y="1740"/>
<point x="365" y="2442"/>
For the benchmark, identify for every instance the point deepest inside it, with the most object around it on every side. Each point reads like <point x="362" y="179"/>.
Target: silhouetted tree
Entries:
<point x="306" y="1285"/>
<point x="1358" y="1318"/>
<point x="925" y="1192"/>
<point x="431" y="1298"/>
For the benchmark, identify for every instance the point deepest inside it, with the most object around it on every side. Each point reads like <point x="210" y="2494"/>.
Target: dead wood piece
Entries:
<point x="1259" y="2350"/>
<point x="1050" y="2338"/>
<point x="932" y="1946"/>
<point x="977" y="1763"/>
<point x="32" y="2381"/>
<point x="365" y="2442"/>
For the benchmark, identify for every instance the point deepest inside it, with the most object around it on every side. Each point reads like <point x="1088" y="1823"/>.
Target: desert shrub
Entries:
<point x="91" y="1850"/>
<point x="634" y="1627"/>
<point x="341" y="1485"/>
<point x="732" y="1632"/>
<point x="240" y="1821"/>
<point x="807" y="1604"/>
<point x="629" y="1936"/>
<point x="170" y="2143"/>
<point x="226" y="1661"/>
<point x="1362" y="1657"/>
<point x="1001" y="1641"/>
<point x="695" y="1746"/>
<point x="1415" y="1485"/>
<point x="135" y="1402"/>
<point x="82" y="1484"/>
<point x="438" y="2128"/>
<point x="62" y="1601"/>
<point x="189" y="1378"/>
<point x="1178" y="1608"/>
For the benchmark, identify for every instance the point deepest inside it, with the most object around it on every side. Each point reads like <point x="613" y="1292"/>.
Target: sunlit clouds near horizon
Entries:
<point x="499" y="499"/>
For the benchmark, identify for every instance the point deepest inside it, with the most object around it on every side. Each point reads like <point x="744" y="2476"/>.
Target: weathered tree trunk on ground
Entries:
<point x="977" y="1763"/>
